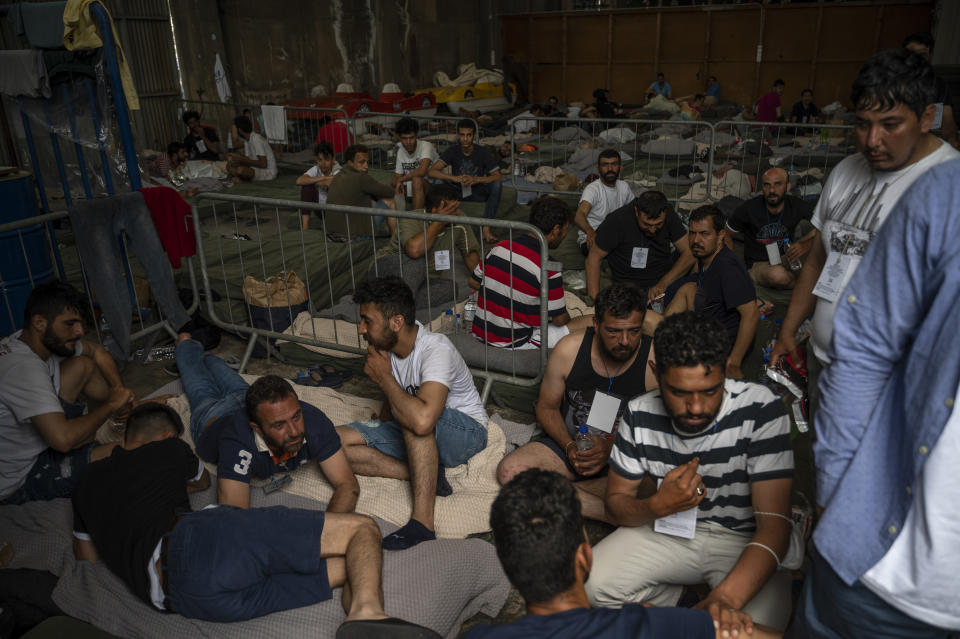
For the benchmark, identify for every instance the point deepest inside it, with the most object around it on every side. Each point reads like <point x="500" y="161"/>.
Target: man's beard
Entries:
<point x="774" y="200"/>
<point x="385" y="341"/>
<point x="619" y="353"/>
<point x="56" y="345"/>
<point x="610" y="177"/>
<point x="290" y="448"/>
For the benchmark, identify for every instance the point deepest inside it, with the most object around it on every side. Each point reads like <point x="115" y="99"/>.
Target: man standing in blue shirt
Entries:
<point x="889" y="433"/>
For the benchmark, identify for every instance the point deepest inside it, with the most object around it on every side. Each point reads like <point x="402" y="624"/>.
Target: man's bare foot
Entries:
<point x="489" y="237"/>
<point x="182" y="337"/>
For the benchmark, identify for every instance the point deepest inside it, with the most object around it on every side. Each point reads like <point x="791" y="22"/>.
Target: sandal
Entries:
<point x="322" y="375"/>
<point x="765" y="307"/>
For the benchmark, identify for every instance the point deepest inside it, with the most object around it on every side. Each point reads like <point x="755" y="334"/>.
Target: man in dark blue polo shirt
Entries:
<point x="260" y="431"/>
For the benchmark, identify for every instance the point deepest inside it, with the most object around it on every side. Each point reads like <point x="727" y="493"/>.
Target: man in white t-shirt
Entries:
<point x="432" y="417"/>
<point x="600" y="198"/>
<point x="895" y="148"/>
<point x="315" y="182"/>
<point x="45" y="372"/>
<point x="257" y="163"/>
<point x="414" y="158"/>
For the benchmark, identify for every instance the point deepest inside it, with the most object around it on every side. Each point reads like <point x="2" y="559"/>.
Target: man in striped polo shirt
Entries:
<point x="508" y="281"/>
<point x="718" y="507"/>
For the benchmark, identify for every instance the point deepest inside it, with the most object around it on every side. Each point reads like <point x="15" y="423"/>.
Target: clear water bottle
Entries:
<point x="446" y="323"/>
<point x="469" y="310"/>
<point x="794" y="265"/>
<point x="584" y="441"/>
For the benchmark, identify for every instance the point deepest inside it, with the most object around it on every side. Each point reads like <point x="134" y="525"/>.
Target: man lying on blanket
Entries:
<point x="221" y="564"/>
<point x="258" y="431"/>
<point x="432" y="417"/>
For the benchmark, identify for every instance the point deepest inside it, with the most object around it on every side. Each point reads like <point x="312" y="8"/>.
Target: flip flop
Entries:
<point x="322" y="375"/>
<point x="391" y="628"/>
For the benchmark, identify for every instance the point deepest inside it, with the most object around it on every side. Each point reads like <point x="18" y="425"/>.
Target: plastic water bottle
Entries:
<point x="446" y="323"/>
<point x="469" y="309"/>
<point x="584" y="442"/>
<point x="795" y="265"/>
<point x="458" y="323"/>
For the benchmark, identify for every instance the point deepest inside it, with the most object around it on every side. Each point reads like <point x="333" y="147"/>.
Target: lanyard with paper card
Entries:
<point x="201" y="147"/>
<point x="441" y="260"/>
<point x="409" y="188"/>
<point x="467" y="190"/>
<point x="603" y="412"/>
<point x="639" y="257"/>
<point x="679" y="524"/>
<point x="773" y="253"/>
<point x="840" y="264"/>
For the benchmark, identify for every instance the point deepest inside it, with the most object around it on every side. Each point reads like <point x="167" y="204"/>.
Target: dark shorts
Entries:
<point x="547" y="441"/>
<point x="54" y="474"/>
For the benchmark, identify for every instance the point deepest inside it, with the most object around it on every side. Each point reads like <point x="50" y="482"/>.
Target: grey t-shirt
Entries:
<point x="29" y="386"/>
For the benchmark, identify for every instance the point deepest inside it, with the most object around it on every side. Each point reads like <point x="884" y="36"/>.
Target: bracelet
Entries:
<point x="572" y="441"/>
<point x="768" y="549"/>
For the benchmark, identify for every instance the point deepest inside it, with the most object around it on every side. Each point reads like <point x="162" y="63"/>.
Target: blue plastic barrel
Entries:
<point x="24" y="256"/>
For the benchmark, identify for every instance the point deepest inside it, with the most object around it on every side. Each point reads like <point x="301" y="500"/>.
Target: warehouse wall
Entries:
<point x="816" y="45"/>
<point x="275" y="51"/>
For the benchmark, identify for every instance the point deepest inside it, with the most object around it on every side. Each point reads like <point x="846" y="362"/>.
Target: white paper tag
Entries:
<point x="937" y="117"/>
<point x="833" y="277"/>
<point x="552" y="266"/>
<point x="467" y="190"/>
<point x="201" y="147"/>
<point x="639" y="259"/>
<point x="603" y="412"/>
<point x="681" y="524"/>
<point x="773" y="253"/>
<point x="409" y="188"/>
<point x="441" y="260"/>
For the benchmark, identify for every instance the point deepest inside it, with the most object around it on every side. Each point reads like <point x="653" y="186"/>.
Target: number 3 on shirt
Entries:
<point x="244" y="465"/>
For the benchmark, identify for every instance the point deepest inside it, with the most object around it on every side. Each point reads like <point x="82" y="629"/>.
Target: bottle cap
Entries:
<point x="583" y="430"/>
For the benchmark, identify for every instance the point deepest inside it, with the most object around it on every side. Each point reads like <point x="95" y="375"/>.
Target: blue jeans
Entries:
<point x="459" y="437"/>
<point x="830" y="609"/>
<point x="488" y="192"/>
<point x="230" y="564"/>
<point x="213" y="388"/>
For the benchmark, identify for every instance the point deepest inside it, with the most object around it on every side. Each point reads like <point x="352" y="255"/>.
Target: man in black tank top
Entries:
<point x="599" y="368"/>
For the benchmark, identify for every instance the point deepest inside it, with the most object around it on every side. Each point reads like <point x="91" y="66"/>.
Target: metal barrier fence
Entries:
<point x="331" y="270"/>
<point x="28" y="256"/>
<point x="659" y="153"/>
<point x="650" y="150"/>
<point x="439" y="130"/>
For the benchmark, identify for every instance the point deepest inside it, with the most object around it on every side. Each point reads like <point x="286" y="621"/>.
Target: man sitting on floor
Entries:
<point x="432" y="417"/>
<point x="508" y="285"/>
<point x="771" y="237"/>
<point x="414" y="158"/>
<point x="220" y="564"/>
<point x="600" y="198"/>
<point x="720" y="449"/>
<point x="201" y="140"/>
<point x="258" y="431"/>
<point x="45" y="372"/>
<point x="315" y="183"/>
<point x="543" y="548"/>
<point x="354" y="186"/>
<point x="257" y="163"/>
<point x="723" y="288"/>
<point x="605" y="365"/>
<point x="474" y="169"/>
<point x="638" y="240"/>
<point x="805" y="111"/>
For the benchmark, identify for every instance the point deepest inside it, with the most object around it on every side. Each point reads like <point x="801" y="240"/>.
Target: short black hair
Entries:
<point x="547" y="212"/>
<point x="919" y="38"/>
<point x="467" y="123"/>
<point x="608" y="153"/>
<point x="51" y="299"/>
<point x="405" y="126"/>
<point x="538" y="528"/>
<point x="536" y="107"/>
<point x="659" y="74"/>
<point x="443" y="192"/>
<point x="708" y="211"/>
<point x="189" y="115"/>
<point x="323" y="149"/>
<point x="690" y="339"/>
<point x="779" y="83"/>
<point x="174" y="147"/>
<point x="391" y="295"/>
<point x="698" y="96"/>
<point x="351" y="153"/>
<point x="149" y="421"/>
<point x="243" y="123"/>
<point x="653" y="204"/>
<point x="805" y="91"/>
<point x="270" y="389"/>
<point x="892" y="77"/>
<point x="619" y="300"/>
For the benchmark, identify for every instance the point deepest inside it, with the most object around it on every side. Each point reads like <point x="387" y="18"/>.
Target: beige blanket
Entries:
<point x="474" y="484"/>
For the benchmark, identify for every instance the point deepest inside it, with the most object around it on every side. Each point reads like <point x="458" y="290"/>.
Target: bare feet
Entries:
<point x="182" y="337"/>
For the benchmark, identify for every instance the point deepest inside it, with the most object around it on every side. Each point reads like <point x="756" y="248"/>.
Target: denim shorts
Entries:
<point x="54" y="474"/>
<point x="459" y="437"/>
